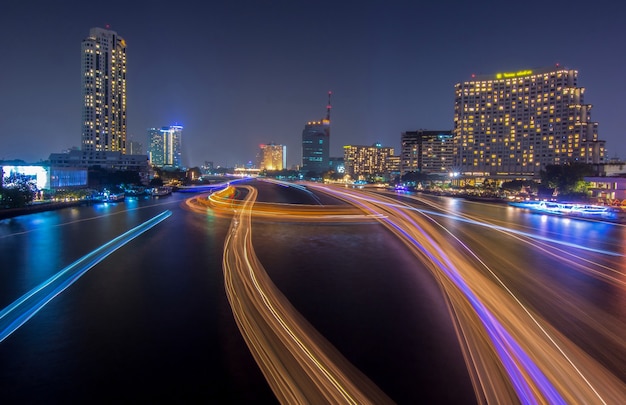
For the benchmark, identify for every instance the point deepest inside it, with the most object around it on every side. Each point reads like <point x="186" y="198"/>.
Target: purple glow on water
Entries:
<point x="516" y="362"/>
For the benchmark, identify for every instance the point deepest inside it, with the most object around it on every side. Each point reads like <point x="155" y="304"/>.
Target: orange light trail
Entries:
<point x="557" y="370"/>
<point x="511" y="352"/>
<point x="298" y="363"/>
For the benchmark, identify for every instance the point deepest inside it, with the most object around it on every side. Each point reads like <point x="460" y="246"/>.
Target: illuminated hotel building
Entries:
<point x="517" y="123"/>
<point x="427" y="151"/>
<point x="316" y="144"/>
<point x="364" y="161"/>
<point x="272" y="157"/>
<point x="165" y="146"/>
<point x="103" y="67"/>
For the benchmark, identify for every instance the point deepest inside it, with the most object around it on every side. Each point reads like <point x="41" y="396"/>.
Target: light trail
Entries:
<point x="24" y="308"/>
<point x="298" y="363"/>
<point x="615" y="277"/>
<point x="512" y="354"/>
<point x="470" y="220"/>
<point x="293" y="185"/>
<point x="223" y="202"/>
<point x="496" y="331"/>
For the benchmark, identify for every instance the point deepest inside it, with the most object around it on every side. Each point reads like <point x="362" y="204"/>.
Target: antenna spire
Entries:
<point x="328" y="107"/>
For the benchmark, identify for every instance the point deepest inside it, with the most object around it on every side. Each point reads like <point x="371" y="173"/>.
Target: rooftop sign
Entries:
<point x="509" y="75"/>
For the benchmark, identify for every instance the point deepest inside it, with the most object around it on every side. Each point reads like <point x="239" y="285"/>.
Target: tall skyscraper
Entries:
<point x="516" y="123"/>
<point x="104" y="91"/>
<point x="165" y="146"/>
<point x="316" y="144"/>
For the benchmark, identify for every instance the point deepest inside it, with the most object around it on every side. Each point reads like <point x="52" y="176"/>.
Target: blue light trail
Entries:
<point x="500" y="228"/>
<point x="24" y="308"/>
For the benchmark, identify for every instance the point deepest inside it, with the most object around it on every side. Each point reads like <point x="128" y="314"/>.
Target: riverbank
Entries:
<point x="40" y="207"/>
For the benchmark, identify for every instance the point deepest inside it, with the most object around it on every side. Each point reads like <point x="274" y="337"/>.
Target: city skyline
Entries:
<point x="242" y="74"/>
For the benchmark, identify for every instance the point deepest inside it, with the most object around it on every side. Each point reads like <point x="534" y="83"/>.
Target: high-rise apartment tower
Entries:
<point x="103" y="66"/>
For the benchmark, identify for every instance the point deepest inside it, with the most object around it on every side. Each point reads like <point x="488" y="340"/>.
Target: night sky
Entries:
<point x="237" y="74"/>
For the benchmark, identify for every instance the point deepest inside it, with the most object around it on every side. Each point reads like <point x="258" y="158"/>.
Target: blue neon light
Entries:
<point x="24" y="308"/>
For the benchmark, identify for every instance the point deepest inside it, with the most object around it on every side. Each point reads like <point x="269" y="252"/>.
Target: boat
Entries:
<point x="161" y="191"/>
<point x="109" y="196"/>
<point x="573" y="210"/>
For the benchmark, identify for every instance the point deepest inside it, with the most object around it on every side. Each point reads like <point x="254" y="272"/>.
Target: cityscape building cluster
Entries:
<point x="505" y="125"/>
<point x="510" y="124"/>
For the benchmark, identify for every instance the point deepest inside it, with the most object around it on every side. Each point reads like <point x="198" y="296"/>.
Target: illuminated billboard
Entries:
<point x="37" y="173"/>
<point x="510" y="75"/>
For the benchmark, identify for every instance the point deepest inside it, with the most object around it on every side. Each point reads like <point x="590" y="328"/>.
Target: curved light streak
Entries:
<point x="298" y="363"/>
<point x="541" y="366"/>
<point x="505" y="229"/>
<point x="499" y="336"/>
<point x="24" y="308"/>
<point x="615" y="277"/>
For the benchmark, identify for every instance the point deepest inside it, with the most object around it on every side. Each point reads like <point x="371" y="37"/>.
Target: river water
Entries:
<point x="152" y="322"/>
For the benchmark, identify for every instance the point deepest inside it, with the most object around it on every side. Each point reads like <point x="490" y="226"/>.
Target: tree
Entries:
<point x="517" y="186"/>
<point x="18" y="191"/>
<point x="413" y="177"/>
<point x="567" y="178"/>
<point x="156" y="182"/>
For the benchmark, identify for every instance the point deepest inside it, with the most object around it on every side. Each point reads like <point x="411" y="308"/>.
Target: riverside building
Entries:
<point x="103" y="68"/>
<point x="516" y="123"/>
<point x="316" y="144"/>
<point x="272" y="157"/>
<point x="165" y="146"/>
<point x="367" y="162"/>
<point x="425" y="151"/>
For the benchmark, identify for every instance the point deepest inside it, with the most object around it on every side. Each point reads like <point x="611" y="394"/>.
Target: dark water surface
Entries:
<point x="152" y="322"/>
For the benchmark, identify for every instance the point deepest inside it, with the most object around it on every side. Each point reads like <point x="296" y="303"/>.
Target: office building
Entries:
<point x="272" y="157"/>
<point x="363" y="162"/>
<point x="165" y="146"/>
<point x="104" y="160"/>
<point x="516" y="123"/>
<point x="316" y="144"/>
<point x="134" y="148"/>
<point x="427" y="152"/>
<point x="156" y="147"/>
<point x="103" y="68"/>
